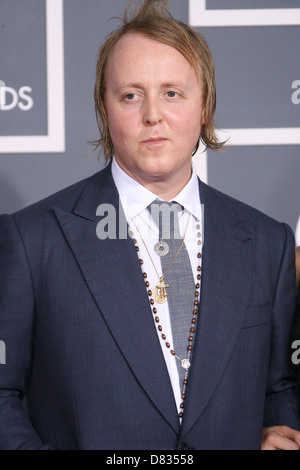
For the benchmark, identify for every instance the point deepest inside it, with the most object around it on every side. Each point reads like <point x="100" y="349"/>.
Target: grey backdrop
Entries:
<point x="255" y="68"/>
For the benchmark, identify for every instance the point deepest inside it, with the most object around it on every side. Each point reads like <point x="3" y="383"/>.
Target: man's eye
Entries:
<point x="130" y="96"/>
<point x="171" y="94"/>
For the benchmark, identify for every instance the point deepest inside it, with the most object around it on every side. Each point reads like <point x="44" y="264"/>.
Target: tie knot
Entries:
<point x="165" y="215"/>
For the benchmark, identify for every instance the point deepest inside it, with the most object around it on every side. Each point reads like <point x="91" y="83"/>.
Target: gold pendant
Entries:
<point x="160" y="291"/>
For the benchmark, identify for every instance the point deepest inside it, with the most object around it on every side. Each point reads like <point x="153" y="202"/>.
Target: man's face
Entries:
<point x="154" y="107"/>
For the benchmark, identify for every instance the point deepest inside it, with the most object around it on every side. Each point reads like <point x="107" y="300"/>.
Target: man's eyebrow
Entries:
<point x="171" y="84"/>
<point x="122" y="86"/>
<point x="175" y="84"/>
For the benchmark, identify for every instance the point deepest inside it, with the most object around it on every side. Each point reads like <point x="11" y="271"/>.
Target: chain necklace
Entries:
<point x="161" y="248"/>
<point x="160" y="290"/>
<point x="185" y="362"/>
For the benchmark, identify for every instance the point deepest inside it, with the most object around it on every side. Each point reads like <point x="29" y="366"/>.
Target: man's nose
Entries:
<point x="152" y="113"/>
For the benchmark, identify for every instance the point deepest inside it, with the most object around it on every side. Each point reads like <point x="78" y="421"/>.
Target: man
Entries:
<point x="88" y="313"/>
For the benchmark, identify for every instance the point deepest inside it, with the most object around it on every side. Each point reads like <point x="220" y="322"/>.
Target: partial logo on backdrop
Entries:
<point x="296" y="93"/>
<point x="19" y="104"/>
<point x="11" y="98"/>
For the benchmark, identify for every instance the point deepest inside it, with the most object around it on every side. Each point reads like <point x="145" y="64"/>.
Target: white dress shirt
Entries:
<point x="135" y="199"/>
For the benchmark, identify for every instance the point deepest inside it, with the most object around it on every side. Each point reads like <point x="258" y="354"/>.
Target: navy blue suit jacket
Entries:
<point x="81" y="343"/>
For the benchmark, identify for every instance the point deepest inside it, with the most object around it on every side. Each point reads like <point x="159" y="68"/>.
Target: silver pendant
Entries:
<point x="185" y="364"/>
<point x="161" y="248"/>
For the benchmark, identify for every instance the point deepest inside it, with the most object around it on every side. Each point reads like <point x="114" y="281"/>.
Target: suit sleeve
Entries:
<point x="296" y="338"/>
<point x="16" y="335"/>
<point x="282" y="400"/>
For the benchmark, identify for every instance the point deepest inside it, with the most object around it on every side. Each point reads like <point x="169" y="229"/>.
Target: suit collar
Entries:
<point x="136" y="197"/>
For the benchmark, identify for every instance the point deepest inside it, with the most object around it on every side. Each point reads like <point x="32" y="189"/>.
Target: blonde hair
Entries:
<point x="153" y="19"/>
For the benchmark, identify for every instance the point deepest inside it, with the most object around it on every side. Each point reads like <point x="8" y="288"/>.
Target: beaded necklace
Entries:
<point x="185" y="362"/>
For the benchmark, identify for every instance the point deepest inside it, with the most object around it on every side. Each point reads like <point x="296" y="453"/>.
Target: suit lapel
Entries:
<point x="113" y="274"/>
<point x="224" y="293"/>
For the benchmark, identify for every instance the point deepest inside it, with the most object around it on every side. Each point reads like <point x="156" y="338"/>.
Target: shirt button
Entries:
<point x="183" y="446"/>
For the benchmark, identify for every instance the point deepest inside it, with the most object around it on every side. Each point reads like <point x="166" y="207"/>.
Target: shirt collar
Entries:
<point x="135" y="198"/>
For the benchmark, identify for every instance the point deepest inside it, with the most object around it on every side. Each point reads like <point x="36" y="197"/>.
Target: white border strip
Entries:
<point x="261" y="136"/>
<point x="199" y="16"/>
<point x="54" y="141"/>
<point x="297" y="232"/>
<point x="248" y="137"/>
<point x="200" y="163"/>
